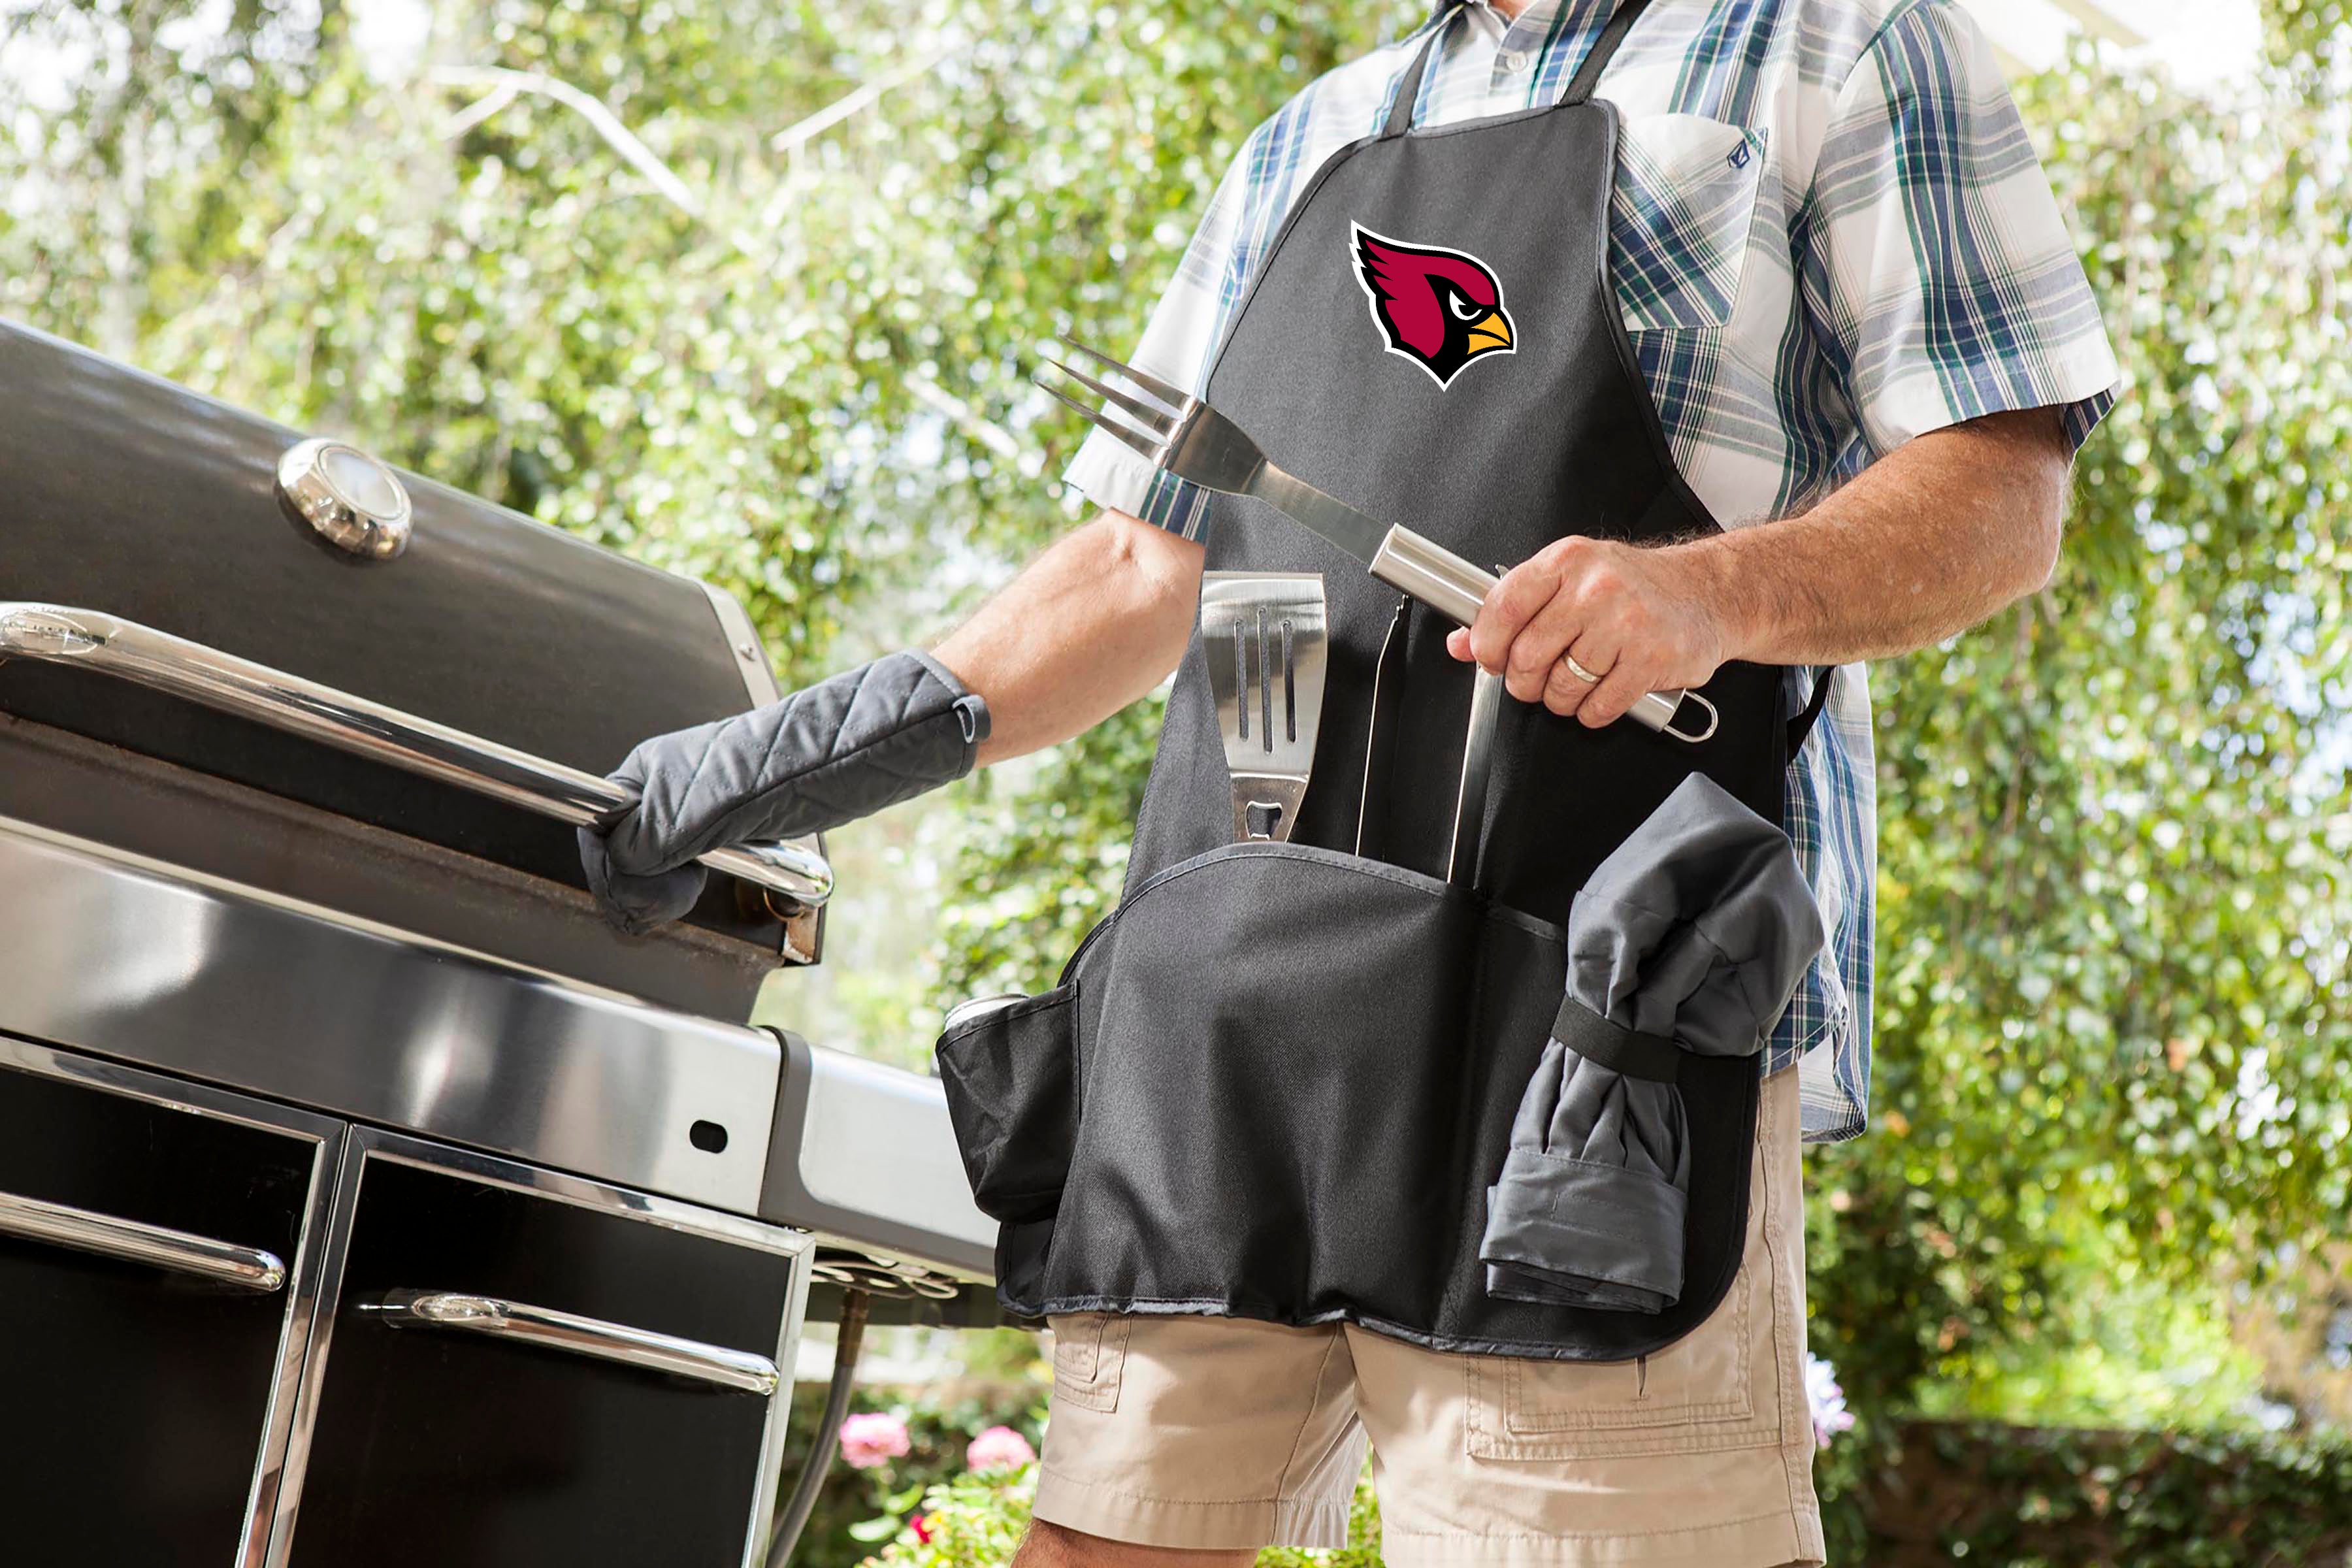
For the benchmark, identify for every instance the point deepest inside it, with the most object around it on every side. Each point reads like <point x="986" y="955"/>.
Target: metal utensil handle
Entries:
<point x="1416" y="564"/>
<point x="63" y="635"/>
<point x="1477" y="767"/>
<point x="132" y="1241"/>
<point x="739" y="1370"/>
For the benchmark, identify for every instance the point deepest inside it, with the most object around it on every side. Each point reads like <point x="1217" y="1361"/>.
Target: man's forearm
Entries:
<point x="1927" y="540"/>
<point x="1092" y="624"/>
<point x="1922" y="545"/>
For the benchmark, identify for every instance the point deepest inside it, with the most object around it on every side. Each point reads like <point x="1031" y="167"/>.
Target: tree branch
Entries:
<point x="963" y="416"/>
<point x="481" y="110"/>
<point x="605" y="123"/>
<point x="833" y="113"/>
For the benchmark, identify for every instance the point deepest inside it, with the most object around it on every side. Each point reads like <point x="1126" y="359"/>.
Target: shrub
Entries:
<point x="975" y="1521"/>
<point x="1940" y="1492"/>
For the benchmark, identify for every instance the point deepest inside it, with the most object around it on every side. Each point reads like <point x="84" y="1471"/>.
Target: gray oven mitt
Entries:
<point x="1694" y="932"/>
<point x="843" y="749"/>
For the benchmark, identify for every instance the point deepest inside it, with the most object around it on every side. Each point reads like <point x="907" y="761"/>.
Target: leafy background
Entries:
<point x="750" y="288"/>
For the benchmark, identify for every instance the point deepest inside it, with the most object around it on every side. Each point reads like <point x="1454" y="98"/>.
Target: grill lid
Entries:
<point x="195" y="583"/>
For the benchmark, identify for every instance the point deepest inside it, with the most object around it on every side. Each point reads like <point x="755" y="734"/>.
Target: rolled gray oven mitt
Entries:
<point x="1690" y="938"/>
<point x="843" y="749"/>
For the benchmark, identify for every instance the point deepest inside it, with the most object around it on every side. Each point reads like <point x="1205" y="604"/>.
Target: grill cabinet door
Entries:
<point x="155" y="1297"/>
<point x="439" y="1439"/>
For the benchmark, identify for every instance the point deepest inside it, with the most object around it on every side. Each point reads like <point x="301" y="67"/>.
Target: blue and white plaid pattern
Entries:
<point x="1828" y="234"/>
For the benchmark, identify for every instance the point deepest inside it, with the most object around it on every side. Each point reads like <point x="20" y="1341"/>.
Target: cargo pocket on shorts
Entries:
<point x="1090" y="1358"/>
<point x="1697" y="1394"/>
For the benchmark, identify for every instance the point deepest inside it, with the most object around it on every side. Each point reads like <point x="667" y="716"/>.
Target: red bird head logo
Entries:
<point x="1440" y="308"/>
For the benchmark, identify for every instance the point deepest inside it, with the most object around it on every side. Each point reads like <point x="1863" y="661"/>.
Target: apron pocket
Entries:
<point x="1295" y="1075"/>
<point x="1011" y="1079"/>
<point x="1279" y="1088"/>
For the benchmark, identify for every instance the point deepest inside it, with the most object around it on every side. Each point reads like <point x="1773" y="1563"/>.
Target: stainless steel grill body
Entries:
<point x="447" y="1223"/>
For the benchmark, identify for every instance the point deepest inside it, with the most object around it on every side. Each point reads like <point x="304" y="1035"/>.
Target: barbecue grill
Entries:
<point x="364" y="1198"/>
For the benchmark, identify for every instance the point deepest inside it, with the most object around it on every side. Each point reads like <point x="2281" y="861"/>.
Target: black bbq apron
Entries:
<point x="1277" y="1082"/>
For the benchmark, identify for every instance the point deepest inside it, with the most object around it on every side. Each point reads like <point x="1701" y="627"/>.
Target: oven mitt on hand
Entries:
<point x="843" y="749"/>
<point x="1694" y="933"/>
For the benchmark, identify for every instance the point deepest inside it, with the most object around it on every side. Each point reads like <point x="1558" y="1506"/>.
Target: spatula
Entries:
<point x="1268" y="644"/>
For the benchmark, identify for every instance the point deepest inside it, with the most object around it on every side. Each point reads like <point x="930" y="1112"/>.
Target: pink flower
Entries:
<point x="871" y="1439"/>
<point x="1822" y="1391"/>
<point x="998" y="1449"/>
<point x="922" y="1528"/>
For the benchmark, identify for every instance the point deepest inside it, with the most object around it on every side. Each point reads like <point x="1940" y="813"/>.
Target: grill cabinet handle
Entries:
<point x="737" y="1370"/>
<point x="58" y="634"/>
<point x="108" y="1236"/>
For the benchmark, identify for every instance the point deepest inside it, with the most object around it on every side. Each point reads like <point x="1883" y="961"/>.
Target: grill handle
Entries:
<point x="132" y="1241"/>
<point x="58" y="634"/>
<point x="738" y="1370"/>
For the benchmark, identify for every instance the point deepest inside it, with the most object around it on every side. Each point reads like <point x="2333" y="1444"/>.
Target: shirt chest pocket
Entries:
<point x="1680" y="215"/>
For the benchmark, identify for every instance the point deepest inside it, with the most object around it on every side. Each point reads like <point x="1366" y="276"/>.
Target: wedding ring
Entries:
<point x="1579" y="670"/>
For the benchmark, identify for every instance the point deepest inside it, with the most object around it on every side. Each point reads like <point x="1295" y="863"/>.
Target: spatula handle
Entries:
<point x="1416" y="564"/>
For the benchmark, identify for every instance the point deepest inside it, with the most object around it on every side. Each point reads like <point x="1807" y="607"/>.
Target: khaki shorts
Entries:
<point x="1229" y="1433"/>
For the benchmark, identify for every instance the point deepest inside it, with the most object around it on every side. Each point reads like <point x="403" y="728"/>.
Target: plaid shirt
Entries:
<point x="1828" y="234"/>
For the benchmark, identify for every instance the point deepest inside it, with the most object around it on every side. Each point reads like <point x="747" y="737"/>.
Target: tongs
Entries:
<point x="1185" y="436"/>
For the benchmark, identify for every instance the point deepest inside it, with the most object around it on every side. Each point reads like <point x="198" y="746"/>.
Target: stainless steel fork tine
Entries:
<point x="1150" y="450"/>
<point x="1154" y="417"/>
<point x="1172" y="398"/>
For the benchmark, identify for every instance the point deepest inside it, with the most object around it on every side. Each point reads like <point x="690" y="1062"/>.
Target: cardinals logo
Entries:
<point x="1440" y="308"/>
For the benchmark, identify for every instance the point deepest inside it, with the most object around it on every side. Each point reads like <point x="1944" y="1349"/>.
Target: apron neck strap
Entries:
<point x="1802" y="724"/>
<point x="1580" y="88"/>
<point x="1604" y="49"/>
<point x="1408" y="88"/>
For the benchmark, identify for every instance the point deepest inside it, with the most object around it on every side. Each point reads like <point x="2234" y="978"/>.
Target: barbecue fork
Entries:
<point x="1183" y="435"/>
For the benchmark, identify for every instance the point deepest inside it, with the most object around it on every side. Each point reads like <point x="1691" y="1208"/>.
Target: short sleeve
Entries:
<point x="1175" y="347"/>
<point x="1938" y="278"/>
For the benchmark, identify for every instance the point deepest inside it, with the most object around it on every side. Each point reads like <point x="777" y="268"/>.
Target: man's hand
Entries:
<point x="1096" y="622"/>
<point x="1637" y="620"/>
<point x="1927" y="541"/>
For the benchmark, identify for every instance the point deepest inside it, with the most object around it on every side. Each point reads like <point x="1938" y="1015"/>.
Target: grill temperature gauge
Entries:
<point x="351" y="499"/>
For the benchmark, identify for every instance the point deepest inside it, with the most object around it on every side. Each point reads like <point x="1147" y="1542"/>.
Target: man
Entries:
<point x="1872" y="354"/>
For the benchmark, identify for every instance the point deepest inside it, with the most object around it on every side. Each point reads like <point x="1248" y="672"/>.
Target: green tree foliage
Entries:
<point x="2310" y="32"/>
<point x="2113" y="1007"/>
<point x="2016" y="1498"/>
<point x="752" y="289"/>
